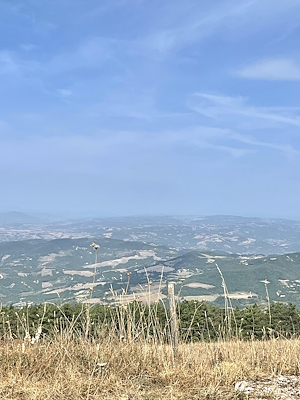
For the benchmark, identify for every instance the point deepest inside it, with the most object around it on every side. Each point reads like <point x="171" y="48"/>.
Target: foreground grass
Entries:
<point x="67" y="368"/>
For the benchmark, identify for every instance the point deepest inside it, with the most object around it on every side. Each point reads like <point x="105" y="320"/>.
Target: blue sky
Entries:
<point x="126" y="107"/>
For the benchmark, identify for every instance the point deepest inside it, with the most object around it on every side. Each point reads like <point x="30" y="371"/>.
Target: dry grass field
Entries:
<point x="131" y="359"/>
<point x="110" y="368"/>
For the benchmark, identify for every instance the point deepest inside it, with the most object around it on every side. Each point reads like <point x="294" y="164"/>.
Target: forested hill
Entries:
<point x="63" y="269"/>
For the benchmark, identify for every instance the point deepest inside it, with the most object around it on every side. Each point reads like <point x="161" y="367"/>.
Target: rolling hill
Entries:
<point x="63" y="270"/>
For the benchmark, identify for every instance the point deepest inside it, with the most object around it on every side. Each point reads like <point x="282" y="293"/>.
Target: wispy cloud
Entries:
<point x="272" y="69"/>
<point x="222" y="139"/>
<point x="221" y="106"/>
<point x="181" y="30"/>
<point x="231" y="18"/>
<point x="64" y="92"/>
<point x="7" y="63"/>
<point x="28" y="47"/>
<point x="12" y="63"/>
<point x="89" y="54"/>
<point x="205" y="137"/>
<point x="76" y="151"/>
<point x="237" y="118"/>
<point x="252" y="141"/>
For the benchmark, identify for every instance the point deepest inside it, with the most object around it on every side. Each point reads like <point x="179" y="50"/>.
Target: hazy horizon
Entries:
<point x="90" y="215"/>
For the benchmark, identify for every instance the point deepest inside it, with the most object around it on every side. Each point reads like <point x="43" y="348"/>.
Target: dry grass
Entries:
<point x="131" y="359"/>
<point x="112" y="369"/>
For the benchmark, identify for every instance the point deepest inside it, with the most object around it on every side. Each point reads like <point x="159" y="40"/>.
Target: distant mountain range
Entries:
<point x="14" y="217"/>
<point x="234" y="235"/>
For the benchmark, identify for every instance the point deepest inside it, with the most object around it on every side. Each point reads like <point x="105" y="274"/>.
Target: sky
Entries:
<point x="135" y="107"/>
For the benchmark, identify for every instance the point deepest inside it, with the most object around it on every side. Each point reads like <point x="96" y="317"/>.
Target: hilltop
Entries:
<point x="14" y="217"/>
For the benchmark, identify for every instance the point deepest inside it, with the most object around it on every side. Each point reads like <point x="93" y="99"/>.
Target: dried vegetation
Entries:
<point x="66" y="368"/>
<point x="131" y="359"/>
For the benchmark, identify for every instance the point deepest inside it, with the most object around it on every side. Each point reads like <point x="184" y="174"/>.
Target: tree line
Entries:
<point x="197" y="321"/>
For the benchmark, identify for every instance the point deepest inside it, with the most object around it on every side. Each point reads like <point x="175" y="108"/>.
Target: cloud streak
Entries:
<point x="272" y="70"/>
<point x="222" y="107"/>
<point x="232" y="18"/>
<point x="236" y="118"/>
<point x="94" y="152"/>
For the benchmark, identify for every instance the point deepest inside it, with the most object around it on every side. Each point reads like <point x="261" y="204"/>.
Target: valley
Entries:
<point x="134" y="261"/>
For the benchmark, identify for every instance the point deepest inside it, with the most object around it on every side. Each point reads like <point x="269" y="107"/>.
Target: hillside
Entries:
<point x="62" y="270"/>
<point x="14" y="217"/>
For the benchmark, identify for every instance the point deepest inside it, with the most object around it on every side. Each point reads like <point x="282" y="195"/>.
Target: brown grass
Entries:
<point x="112" y="369"/>
<point x="131" y="360"/>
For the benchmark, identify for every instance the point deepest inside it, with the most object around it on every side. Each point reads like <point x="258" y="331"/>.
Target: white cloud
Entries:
<point x="233" y="18"/>
<point x="226" y="107"/>
<point x="180" y="29"/>
<point x="204" y="137"/>
<point x="7" y="63"/>
<point x="88" y="54"/>
<point x="28" y="47"/>
<point x="223" y="139"/>
<point x="272" y="69"/>
<point x="269" y="127"/>
<point x="11" y="63"/>
<point x="64" y="92"/>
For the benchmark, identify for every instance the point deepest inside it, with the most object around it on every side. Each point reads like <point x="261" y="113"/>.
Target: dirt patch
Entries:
<point x="80" y="273"/>
<point x="196" y="285"/>
<point x="282" y="387"/>
<point x="241" y="295"/>
<point x="210" y="297"/>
